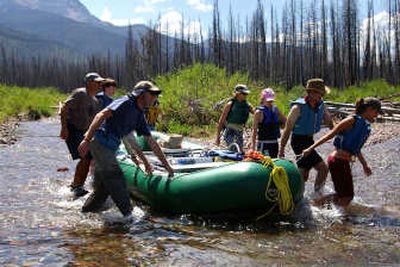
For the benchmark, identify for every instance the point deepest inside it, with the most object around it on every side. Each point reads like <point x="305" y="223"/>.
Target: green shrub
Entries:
<point x="193" y="98"/>
<point x="34" y="103"/>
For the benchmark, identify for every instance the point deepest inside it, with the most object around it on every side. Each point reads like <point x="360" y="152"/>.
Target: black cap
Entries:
<point x="241" y="88"/>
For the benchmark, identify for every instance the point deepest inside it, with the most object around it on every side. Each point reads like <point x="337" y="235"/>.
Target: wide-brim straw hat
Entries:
<point x="318" y="85"/>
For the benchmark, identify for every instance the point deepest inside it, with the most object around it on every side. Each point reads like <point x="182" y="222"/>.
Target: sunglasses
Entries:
<point x="155" y="93"/>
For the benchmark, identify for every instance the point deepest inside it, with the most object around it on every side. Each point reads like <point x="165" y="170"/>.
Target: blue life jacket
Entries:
<point x="268" y="129"/>
<point x="310" y="119"/>
<point x="353" y="139"/>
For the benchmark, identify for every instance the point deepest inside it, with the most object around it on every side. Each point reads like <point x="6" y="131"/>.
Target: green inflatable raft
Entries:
<point x="241" y="187"/>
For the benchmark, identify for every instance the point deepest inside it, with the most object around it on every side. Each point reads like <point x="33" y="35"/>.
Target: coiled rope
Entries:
<point x="282" y="196"/>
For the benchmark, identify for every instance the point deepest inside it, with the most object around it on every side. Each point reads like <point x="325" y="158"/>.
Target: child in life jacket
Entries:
<point x="350" y="136"/>
<point x="266" y="125"/>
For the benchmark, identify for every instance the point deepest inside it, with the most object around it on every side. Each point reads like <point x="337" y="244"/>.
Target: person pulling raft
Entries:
<point x="350" y="136"/>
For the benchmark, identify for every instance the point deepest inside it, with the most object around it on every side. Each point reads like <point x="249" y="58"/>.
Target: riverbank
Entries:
<point x="8" y="131"/>
<point x="381" y="132"/>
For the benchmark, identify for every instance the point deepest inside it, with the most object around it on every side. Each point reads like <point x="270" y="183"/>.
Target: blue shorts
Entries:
<point x="75" y="137"/>
<point x="233" y="136"/>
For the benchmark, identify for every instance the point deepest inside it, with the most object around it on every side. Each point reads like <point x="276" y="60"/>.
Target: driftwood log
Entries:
<point x="391" y="110"/>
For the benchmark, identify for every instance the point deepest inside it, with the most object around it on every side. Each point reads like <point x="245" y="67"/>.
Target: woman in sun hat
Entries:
<point x="266" y="125"/>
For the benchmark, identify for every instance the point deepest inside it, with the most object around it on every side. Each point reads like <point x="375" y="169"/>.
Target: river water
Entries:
<point x="41" y="225"/>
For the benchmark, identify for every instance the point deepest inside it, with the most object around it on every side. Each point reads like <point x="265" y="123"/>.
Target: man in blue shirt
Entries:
<point x="114" y="123"/>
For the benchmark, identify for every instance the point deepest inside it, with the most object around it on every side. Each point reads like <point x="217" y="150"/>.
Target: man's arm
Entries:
<point x="158" y="152"/>
<point x="290" y="123"/>
<point x="126" y="140"/>
<point x="63" y="118"/>
<point x="131" y="144"/>
<point x="97" y="121"/>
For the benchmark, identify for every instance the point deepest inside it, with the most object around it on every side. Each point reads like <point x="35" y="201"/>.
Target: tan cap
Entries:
<point x="145" y="86"/>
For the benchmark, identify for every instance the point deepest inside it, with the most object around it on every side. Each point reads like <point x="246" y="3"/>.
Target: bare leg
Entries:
<point x="343" y="201"/>
<point x="322" y="173"/>
<point x="304" y="173"/>
<point x="81" y="172"/>
<point x="332" y="198"/>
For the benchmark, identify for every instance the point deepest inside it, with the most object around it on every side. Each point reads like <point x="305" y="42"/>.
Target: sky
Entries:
<point x="195" y="13"/>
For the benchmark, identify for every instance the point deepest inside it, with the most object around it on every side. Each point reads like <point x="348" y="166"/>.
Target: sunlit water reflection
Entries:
<point x="40" y="224"/>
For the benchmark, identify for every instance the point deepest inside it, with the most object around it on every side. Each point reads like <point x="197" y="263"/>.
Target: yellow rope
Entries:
<point x="283" y="195"/>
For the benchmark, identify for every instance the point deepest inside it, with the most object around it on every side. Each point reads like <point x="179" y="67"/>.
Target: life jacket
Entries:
<point x="268" y="129"/>
<point x="152" y="114"/>
<point x="239" y="112"/>
<point x="353" y="139"/>
<point x="310" y="119"/>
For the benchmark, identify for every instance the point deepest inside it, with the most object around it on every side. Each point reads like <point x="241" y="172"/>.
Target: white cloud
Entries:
<point x="199" y="5"/>
<point x="172" y="21"/>
<point x="381" y="21"/>
<point x="146" y="8"/>
<point x="156" y="1"/>
<point x="107" y="17"/>
<point x="106" y="14"/>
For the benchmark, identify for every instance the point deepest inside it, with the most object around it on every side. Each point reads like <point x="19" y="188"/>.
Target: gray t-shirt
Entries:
<point x="82" y="108"/>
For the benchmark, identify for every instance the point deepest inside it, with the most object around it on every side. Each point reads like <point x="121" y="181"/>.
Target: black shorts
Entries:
<point x="75" y="137"/>
<point x="299" y="143"/>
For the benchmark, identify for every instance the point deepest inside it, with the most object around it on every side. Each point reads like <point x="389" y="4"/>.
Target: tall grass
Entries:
<point x="34" y="103"/>
<point x="193" y="98"/>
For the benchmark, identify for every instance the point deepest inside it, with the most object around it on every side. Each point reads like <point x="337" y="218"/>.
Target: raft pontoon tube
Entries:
<point x="233" y="188"/>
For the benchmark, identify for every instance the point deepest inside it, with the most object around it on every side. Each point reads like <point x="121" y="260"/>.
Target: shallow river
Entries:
<point x="40" y="224"/>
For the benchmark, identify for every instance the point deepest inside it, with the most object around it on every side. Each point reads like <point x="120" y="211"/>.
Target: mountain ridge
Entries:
<point x="42" y="21"/>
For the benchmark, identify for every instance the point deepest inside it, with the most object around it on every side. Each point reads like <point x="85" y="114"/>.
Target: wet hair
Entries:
<point x="363" y="103"/>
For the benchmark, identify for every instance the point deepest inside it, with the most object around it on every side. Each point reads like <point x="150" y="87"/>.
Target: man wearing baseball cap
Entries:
<point x="304" y="120"/>
<point x="76" y="115"/>
<point x="115" y="123"/>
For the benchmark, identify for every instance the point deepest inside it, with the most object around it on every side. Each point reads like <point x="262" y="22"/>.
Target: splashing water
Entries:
<point x="41" y="225"/>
